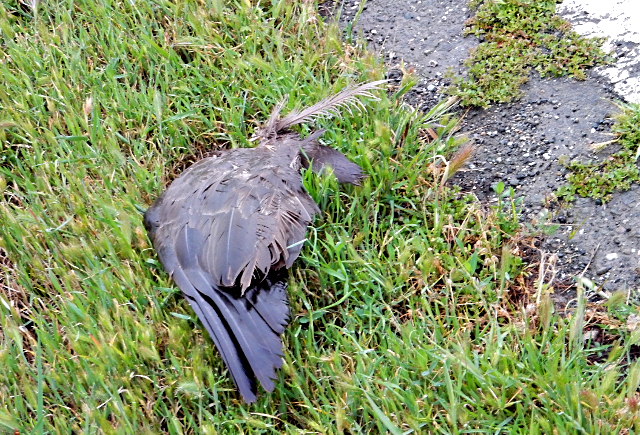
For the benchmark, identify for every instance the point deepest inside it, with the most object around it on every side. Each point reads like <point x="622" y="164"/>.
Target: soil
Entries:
<point x="520" y="143"/>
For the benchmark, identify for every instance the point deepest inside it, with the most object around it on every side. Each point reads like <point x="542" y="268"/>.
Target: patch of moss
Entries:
<point x="598" y="180"/>
<point x="516" y="36"/>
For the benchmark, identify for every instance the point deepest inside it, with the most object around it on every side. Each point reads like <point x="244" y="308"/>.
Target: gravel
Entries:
<point x="521" y="143"/>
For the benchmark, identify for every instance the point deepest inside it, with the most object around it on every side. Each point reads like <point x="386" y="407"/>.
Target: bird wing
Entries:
<point x="215" y="228"/>
<point x="250" y="214"/>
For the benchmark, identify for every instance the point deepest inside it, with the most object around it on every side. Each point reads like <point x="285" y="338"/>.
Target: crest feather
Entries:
<point x="331" y="106"/>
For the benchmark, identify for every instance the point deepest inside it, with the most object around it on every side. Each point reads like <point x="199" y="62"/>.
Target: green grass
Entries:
<point x="616" y="172"/>
<point x="516" y="37"/>
<point x="408" y="304"/>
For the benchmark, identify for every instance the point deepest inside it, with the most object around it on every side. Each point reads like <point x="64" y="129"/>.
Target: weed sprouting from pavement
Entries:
<point x="616" y="172"/>
<point x="517" y="36"/>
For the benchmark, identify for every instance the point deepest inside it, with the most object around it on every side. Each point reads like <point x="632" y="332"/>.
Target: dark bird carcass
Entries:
<point x="228" y="228"/>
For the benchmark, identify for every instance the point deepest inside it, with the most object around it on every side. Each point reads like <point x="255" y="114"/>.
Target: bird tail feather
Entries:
<point x="245" y="329"/>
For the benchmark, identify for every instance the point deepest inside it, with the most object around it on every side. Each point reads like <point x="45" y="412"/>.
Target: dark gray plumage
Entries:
<point x="230" y="225"/>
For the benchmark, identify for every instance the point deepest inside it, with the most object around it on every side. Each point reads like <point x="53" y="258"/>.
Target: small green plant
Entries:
<point x="598" y="180"/>
<point x="509" y="210"/>
<point x="516" y="36"/>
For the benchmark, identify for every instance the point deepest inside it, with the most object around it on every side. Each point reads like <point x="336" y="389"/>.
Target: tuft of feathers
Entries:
<point x="329" y="107"/>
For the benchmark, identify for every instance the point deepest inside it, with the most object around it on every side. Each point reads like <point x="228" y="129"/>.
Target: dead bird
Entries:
<point x="228" y="228"/>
